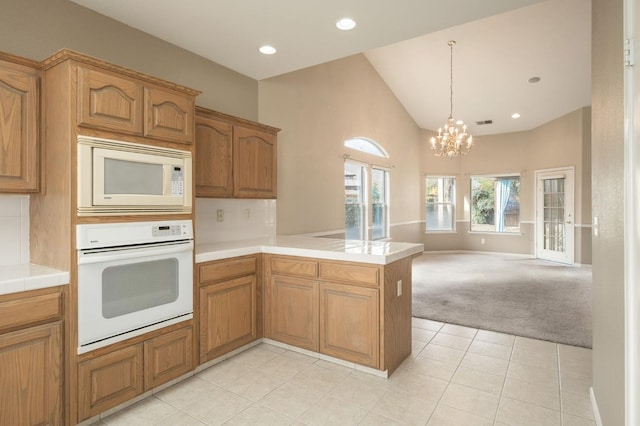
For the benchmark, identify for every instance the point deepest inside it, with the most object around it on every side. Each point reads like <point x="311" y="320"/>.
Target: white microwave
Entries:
<point x="116" y="178"/>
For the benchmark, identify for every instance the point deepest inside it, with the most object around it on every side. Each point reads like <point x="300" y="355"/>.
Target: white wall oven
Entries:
<point x="132" y="278"/>
<point x="117" y="177"/>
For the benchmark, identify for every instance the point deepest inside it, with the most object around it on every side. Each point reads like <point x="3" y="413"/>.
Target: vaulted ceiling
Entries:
<point x="500" y="44"/>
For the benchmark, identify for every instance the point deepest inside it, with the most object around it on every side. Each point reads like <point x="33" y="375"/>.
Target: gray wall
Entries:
<point x="35" y="29"/>
<point x="608" y="205"/>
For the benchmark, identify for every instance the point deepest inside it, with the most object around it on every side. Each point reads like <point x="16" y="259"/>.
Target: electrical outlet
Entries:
<point x="220" y="215"/>
<point x="247" y="213"/>
<point x="481" y="240"/>
<point x="399" y="284"/>
<point x="596" y="226"/>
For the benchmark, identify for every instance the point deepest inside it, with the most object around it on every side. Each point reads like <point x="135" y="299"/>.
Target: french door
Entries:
<point x="554" y="215"/>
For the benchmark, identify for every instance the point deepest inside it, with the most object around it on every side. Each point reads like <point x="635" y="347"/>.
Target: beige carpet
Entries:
<point x="509" y="294"/>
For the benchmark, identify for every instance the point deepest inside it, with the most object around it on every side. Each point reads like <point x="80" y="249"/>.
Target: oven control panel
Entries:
<point x="99" y="235"/>
<point x="169" y="230"/>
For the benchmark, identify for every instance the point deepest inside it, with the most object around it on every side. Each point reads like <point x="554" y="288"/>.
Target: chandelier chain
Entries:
<point x="451" y="43"/>
<point x="452" y="139"/>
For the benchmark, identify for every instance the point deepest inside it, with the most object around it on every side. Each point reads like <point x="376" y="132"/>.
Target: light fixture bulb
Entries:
<point x="515" y="115"/>
<point x="345" y="24"/>
<point x="267" y="50"/>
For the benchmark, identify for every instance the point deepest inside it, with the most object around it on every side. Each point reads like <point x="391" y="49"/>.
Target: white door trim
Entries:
<point x="568" y="173"/>
<point x="631" y="220"/>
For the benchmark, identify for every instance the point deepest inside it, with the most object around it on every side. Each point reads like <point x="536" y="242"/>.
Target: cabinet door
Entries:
<point x="294" y="311"/>
<point x="167" y="357"/>
<point x="168" y="116"/>
<point x="227" y="316"/>
<point x="19" y="121"/>
<point x="109" y="102"/>
<point x="214" y="158"/>
<point x="109" y="380"/>
<point x="31" y="378"/>
<point x="254" y="163"/>
<point x="349" y="323"/>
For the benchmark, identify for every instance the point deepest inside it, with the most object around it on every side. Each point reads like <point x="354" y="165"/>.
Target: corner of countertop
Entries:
<point x="30" y="276"/>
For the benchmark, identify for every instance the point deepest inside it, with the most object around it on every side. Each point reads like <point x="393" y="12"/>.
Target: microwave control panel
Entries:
<point x="177" y="181"/>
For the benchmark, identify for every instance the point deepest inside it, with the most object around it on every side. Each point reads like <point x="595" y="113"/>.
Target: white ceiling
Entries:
<point x="500" y="44"/>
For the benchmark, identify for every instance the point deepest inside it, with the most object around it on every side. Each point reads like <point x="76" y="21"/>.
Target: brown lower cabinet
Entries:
<point x="228" y="305"/>
<point x="31" y="355"/>
<point x="348" y="310"/>
<point x="349" y="323"/>
<point x="31" y="378"/>
<point x="114" y="378"/>
<point x="294" y="311"/>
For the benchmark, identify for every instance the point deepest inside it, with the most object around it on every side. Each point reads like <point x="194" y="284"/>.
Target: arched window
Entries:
<point x="367" y="146"/>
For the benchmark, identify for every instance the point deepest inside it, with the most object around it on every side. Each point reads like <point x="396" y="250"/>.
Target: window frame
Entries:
<point x="494" y="176"/>
<point x="367" y="205"/>
<point x="385" y="203"/>
<point x="453" y="229"/>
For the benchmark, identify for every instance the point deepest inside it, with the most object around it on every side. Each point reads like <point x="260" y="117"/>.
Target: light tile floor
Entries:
<point x="455" y="376"/>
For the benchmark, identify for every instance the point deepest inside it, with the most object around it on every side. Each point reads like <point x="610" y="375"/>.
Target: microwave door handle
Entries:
<point x="109" y="256"/>
<point x="166" y="190"/>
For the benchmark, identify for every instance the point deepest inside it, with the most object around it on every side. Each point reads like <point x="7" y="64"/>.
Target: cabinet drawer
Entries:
<point x="368" y="275"/>
<point x="29" y="310"/>
<point x="227" y="269"/>
<point x="294" y="267"/>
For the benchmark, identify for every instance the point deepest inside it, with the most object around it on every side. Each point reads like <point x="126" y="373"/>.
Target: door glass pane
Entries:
<point x="354" y="201"/>
<point x="440" y="204"/>
<point x="378" y="203"/>
<point x="130" y="177"/>
<point x="554" y="238"/>
<point x="137" y="286"/>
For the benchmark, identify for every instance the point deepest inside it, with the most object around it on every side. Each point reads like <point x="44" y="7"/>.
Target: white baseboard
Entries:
<point x="594" y="407"/>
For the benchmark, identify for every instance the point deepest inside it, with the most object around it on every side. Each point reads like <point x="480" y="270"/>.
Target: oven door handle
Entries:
<point x="111" y="255"/>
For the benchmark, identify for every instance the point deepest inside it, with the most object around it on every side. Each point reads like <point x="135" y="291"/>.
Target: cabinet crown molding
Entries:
<point x="227" y="118"/>
<point x="67" y="54"/>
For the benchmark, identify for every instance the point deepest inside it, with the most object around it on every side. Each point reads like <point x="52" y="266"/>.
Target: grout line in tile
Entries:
<point x="504" y="382"/>
<point x="559" y="384"/>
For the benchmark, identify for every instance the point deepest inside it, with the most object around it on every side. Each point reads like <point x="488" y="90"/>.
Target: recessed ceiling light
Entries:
<point x="533" y="80"/>
<point x="515" y="115"/>
<point x="267" y="50"/>
<point x="346" y="24"/>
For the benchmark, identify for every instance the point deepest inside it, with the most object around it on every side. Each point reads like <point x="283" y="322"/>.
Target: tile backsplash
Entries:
<point x="240" y="219"/>
<point x="14" y="229"/>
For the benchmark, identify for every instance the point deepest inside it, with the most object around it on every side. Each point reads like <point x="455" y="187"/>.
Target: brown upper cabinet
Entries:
<point x="19" y="121"/>
<point x="234" y="157"/>
<point x="127" y="105"/>
<point x="108" y="101"/>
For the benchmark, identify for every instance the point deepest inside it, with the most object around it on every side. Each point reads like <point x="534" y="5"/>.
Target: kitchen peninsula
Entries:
<point x="343" y="299"/>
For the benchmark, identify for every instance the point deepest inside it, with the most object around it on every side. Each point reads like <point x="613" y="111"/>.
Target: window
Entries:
<point x="354" y="202"/>
<point x="365" y="192"/>
<point x="495" y="204"/>
<point x="367" y="146"/>
<point x="440" y="203"/>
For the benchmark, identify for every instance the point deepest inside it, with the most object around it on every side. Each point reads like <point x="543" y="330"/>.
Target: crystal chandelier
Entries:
<point x="453" y="139"/>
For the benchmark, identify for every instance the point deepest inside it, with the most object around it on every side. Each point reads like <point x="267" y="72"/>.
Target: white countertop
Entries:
<point x="28" y="276"/>
<point x="377" y="252"/>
